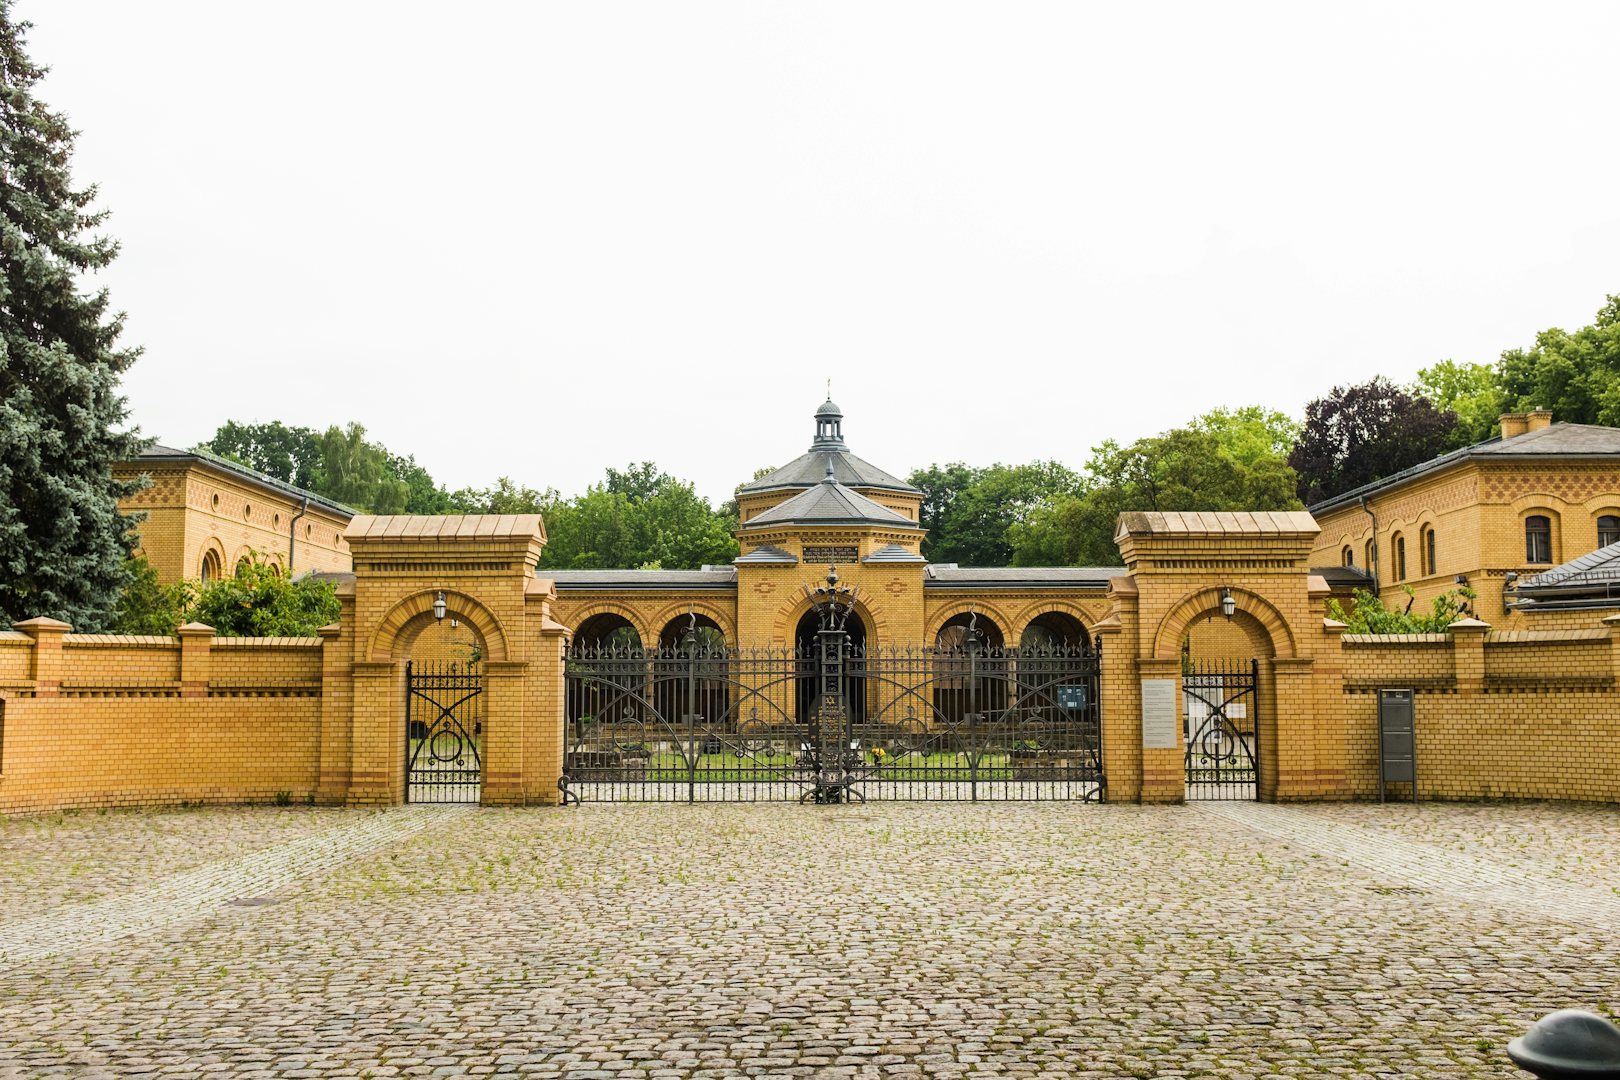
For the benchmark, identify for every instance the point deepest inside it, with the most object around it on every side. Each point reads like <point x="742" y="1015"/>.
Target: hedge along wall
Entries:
<point x="92" y="720"/>
<point x="1505" y="714"/>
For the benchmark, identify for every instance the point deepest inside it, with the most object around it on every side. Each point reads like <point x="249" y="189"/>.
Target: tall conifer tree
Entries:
<point x="63" y="542"/>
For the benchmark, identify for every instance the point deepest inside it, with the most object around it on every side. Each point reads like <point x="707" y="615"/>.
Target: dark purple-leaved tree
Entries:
<point x="1358" y="434"/>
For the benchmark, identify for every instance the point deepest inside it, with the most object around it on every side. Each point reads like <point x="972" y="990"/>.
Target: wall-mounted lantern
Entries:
<point x="438" y="606"/>
<point x="1228" y="604"/>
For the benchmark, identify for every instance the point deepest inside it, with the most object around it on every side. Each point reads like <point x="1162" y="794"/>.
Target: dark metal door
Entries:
<point x="444" y="732"/>
<point x="1220" y="710"/>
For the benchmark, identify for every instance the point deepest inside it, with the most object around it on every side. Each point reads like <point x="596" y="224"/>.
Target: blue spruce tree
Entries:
<point x="63" y="543"/>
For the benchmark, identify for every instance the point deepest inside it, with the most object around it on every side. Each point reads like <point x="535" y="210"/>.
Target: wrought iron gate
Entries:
<point x="1221" y="718"/>
<point x="444" y="732"/>
<point x="831" y="723"/>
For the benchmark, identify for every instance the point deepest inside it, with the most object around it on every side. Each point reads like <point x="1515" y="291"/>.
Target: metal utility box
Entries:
<point x="1397" y="741"/>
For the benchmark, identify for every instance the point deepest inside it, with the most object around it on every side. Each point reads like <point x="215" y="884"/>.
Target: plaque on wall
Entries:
<point x="1159" y="714"/>
<point x="831" y="553"/>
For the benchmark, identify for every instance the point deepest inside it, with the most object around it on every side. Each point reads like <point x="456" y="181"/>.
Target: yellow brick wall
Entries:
<point x="123" y="728"/>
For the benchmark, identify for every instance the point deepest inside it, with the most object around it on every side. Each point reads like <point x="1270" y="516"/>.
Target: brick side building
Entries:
<point x="1506" y="509"/>
<point x="204" y="514"/>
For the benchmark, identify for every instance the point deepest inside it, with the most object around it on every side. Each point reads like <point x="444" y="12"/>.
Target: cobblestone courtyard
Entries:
<point x="672" y="941"/>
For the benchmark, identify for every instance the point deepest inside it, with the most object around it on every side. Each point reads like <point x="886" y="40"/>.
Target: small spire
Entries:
<point x="829" y="478"/>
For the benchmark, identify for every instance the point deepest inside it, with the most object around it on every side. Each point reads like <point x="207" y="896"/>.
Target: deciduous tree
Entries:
<point x="1576" y="375"/>
<point x="1358" y="434"/>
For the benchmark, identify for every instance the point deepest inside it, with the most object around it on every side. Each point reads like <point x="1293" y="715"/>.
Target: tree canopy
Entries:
<point x="970" y="511"/>
<point x="1576" y="375"/>
<point x="1361" y="433"/>
<point x="63" y="541"/>
<point x="1224" y="460"/>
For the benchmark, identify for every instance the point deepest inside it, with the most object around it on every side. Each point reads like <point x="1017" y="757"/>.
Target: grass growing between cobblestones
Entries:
<point x="939" y="940"/>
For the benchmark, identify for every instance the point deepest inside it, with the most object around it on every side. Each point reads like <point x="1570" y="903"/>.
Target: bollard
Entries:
<point x="1569" y="1045"/>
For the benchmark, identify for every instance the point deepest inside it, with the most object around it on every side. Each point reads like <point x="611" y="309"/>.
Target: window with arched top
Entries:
<point x="1538" y="539"/>
<point x="1430" y="564"/>
<point x="1397" y="557"/>
<point x="1371" y="560"/>
<point x="211" y="568"/>
<point x="1348" y="556"/>
<point x="1608" y="530"/>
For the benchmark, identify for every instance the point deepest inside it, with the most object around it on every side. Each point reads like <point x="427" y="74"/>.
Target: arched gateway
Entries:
<point x="830" y="661"/>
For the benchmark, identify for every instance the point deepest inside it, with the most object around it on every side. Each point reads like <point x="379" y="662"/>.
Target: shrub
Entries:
<point x="1368" y="615"/>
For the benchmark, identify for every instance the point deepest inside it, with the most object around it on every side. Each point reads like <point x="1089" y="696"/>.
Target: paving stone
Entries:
<point x="664" y="942"/>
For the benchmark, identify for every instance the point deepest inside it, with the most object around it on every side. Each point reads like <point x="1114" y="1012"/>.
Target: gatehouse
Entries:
<point x="829" y="663"/>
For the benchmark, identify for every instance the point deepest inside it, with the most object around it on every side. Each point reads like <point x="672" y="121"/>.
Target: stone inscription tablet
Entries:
<point x="1159" y="714"/>
<point x="831" y="553"/>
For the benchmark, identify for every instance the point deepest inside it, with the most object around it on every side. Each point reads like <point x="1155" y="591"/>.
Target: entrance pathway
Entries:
<point x="182" y="898"/>
<point x="1470" y="876"/>
<point x="933" y="940"/>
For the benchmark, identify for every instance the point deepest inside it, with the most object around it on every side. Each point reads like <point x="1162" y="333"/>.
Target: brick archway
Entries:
<point x="398" y="630"/>
<point x="1201" y="602"/>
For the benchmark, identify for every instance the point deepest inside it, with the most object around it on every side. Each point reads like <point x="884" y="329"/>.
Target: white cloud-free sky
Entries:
<point x="541" y="239"/>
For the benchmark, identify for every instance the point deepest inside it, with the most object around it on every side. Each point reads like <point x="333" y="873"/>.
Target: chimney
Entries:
<point x="1514" y="423"/>
<point x="1538" y="418"/>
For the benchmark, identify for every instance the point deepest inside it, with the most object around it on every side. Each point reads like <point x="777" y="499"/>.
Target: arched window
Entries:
<point x="1348" y="556"/>
<point x="1371" y="560"/>
<point x="1538" y="539"/>
<point x="1430" y="566"/>
<point x="211" y="568"/>
<point x="1397" y="558"/>
<point x="1608" y="530"/>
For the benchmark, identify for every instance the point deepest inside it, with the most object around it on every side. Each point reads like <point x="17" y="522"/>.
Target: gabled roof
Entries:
<point x="157" y="454"/>
<point x="829" y="503"/>
<point x="1552" y="441"/>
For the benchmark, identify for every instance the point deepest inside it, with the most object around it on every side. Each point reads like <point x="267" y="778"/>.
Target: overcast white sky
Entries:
<point x="541" y="239"/>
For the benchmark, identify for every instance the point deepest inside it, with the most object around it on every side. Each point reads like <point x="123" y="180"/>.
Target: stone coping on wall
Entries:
<point x="267" y="643"/>
<point x="1396" y="639"/>
<point x="1535" y="637"/>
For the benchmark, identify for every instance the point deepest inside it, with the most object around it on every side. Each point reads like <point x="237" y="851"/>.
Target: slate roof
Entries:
<point x="950" y="575"/>
<point x="893" y="553"/>
<point x="1599" y="568"/>
<point x="829" y="503"/>
<point x="808" y="469"/>
<point x="156" y="453"/>
<point x="710" y="577"/>
<point x="770" y="554"/>
<point x="1343" y="578"/>
<point x="1553" y="441"/>
<point x="826" y="451"/>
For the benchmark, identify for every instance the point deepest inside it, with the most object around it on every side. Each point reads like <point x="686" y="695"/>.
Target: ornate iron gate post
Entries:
<point x="831" y="753"/>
